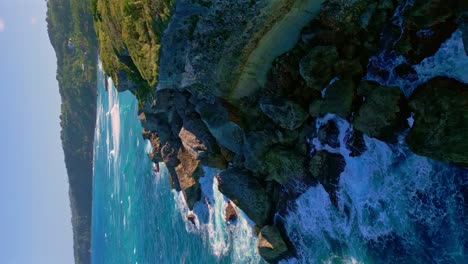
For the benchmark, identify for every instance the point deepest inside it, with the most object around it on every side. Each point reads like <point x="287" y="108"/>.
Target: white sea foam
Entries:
<point x="236" y="239"/>
<point x="379" y="198"/>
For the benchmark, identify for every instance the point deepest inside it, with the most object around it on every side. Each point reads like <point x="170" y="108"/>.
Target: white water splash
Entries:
<point x="386" y="194"/>
<point x="449" y="61"/>
<point x="236" y="239"/>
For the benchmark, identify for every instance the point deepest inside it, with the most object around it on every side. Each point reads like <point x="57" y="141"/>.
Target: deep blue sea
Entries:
<point x="394" y="206"/>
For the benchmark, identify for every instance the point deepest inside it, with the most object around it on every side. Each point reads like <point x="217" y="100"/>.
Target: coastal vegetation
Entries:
<point x="71" y="32"/>
<point x="129" y="34"/>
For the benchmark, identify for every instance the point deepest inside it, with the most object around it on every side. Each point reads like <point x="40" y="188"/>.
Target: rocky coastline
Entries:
<point x="223" y="103"/>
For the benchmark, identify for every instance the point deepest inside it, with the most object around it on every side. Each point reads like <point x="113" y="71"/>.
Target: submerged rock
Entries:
<point x="440" y="129"/>
<point x="271" y="245"/>
<point x="247" y="193"/>
<point x="383" y="112"/>
<point x="326" y="168"/>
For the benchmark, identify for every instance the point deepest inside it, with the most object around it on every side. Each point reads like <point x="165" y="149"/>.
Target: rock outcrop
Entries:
<point x="247" y="193"/>
<point x="383" y="112"/>
<point x="230" y="212"/>
<point x="440" y="129"/>
<point x="271" y="245"/>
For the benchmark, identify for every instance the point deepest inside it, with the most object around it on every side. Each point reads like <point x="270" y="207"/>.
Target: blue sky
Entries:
<point x="35" y="224"/>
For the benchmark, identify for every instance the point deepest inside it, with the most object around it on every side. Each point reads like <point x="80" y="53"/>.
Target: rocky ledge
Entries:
<point x="242" y="83"/>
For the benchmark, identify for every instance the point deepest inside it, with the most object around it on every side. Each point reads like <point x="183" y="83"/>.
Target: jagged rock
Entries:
<point x="328" y="134"/>
<point x="230" y="212"/>
<point x="191" y="217"/>
<point x="383" y="112"/>
<point x="338" y="99"/>
<point x="427" y="25"/>
<point x="271" y="245"/>
<point x="258" y="143"/>
<point x="326" y="168"/>
<point x="215" y="116"/>
<point x="317" y="66"/>
<point x="188" y="172"/>
<point x="355" y="143"/>
<point x="347" y="15"/>
<point x="155" y="155"/>
<point x="440" y="129"/>
<point x="285" y="114"/>
<point x="198" y="141"/>
<point x="247" y="193"/>
<point x="284" y="164"/>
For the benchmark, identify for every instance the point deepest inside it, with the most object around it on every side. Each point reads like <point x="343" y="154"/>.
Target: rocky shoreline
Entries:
<point x="260" y="136"/>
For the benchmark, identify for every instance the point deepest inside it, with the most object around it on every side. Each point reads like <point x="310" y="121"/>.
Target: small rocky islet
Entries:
<point x="221" y="102"/>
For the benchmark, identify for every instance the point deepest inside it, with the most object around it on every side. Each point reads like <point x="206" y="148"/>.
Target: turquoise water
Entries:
<point x="137" y="218"/>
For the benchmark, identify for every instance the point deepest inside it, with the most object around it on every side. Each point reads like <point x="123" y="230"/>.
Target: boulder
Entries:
<point x="440" y="129"/>
<point x="258" y="143"/>
<point x="284" y="164"/>
<point x="155" y="154"/>
<point x="198" y="141"/>
<point x="347" y="16"/>
<point x="338" y="99"/>
<point x="328" y="134"/>
<point x="326" y="168"/>
<point x="271" y="245"/>
<point x="355" y="143"/>
<point x="317" y="66"/>
<point x="427" y="25"/>
<point x="188" y="172"/>
<point x="217" y="120"/>
<point x="247" y="193"/>
<point x="284" y="113"/>
<point x="230" y="212"/>
<point x="383" y="112"/>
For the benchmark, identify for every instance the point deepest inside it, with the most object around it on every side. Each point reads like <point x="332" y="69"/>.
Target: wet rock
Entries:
<point x="230" y="212"/>
<point x="271" y="245"/>
<point x="215" y="116"/>
<point x="383" y="112"/>
<point x="427" y="25"/>
<point x="155" y="154"/>
<point x="258" y="143"/>
<point x="285" y="114"/>
<point x="355" y="143"/>
<point x="328" y="134"/>
<point x="198" y="141"/>
<point x="407" y="72"/>
<point x="440" y="129"/>
<point x="347" y="16"/>
<point x="339" y="97"/>
<point x="317" y="66"/>
<point x="191" y="217"/>
<point x="326" y="168"/>
<point x="284" y="164"/>
<point x="188" y="172"/>
<point x="247" y="193"/>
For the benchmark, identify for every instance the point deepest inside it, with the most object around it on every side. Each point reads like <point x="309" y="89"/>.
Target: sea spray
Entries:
<point x="234" y="240"/>
<point x="394" y="206"/>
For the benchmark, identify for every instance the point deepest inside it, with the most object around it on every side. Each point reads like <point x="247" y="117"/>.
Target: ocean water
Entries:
<point x="137" y="218"/>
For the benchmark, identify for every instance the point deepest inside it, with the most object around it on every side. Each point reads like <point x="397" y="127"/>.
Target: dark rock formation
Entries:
<point x="271" y="245"/>
<point x="383" y="112"/>
<point x="440" y="130"/>
<point x="328" y="134"/>
<point x="317" y="66"/>
<point x="247" y="193"/>
<point x="284" y="164"/>
<point x="326" y="168"/>
<point x="339" y="97"/>
<point x="355" y="143"/>
<point x="285" y="114"/>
